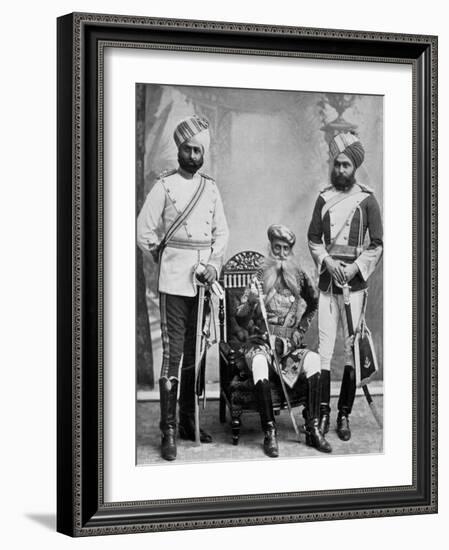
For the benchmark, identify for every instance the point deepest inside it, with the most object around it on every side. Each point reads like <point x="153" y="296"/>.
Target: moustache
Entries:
<point x="190" y="165"/>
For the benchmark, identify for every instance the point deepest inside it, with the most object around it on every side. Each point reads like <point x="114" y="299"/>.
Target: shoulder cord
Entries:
<point x="362" y="322"/>
<point x="360" y="240"/>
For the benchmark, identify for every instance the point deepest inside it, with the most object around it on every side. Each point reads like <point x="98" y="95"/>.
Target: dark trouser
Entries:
<point x="178" y="328"/>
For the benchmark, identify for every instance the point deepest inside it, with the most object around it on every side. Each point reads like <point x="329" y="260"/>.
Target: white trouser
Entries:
<point x="310" y="366"/>
<point x="331" y="310"/>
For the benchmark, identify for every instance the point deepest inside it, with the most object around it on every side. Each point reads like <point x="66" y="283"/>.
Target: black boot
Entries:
<point x="325" y="410"/>
<point x="187" y="408"/>
<point x="263" y="396"/>
<point x="345" y="403"/>
<point x="314" y="437"/>
<point x="343" y="429"/>
<point x="187" y="430"/>
<point x="168" y="390"/>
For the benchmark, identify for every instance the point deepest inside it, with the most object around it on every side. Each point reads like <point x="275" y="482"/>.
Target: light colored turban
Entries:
<point x="349" y="145"/>
<point x="195" y="130"/>
<point x="278" y="231"/>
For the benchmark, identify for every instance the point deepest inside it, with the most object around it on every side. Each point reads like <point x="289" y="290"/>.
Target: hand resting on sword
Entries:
<point x="336" y="269"/>
<point x="340" y="271"/>
<point x="208" y="275"/>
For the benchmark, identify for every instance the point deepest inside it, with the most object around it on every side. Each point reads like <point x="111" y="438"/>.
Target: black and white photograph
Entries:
<point x="259" y="274"/>
<point x="224" y="303"/>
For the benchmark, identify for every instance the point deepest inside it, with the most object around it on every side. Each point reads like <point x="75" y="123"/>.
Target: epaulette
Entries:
<point x="327" y="188"/>
<point x="166" y="173"/>
<point x="205" y="176"/>
<point x="365" y="188"/>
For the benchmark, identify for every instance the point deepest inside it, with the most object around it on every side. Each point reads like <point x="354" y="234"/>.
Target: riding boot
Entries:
<point x="345" y="403"/>
<point x="265" y="405"/>
<point x="305" y="415"/>
<point x="325" y="410"/>
<point x="314" y="437"/>
<point x="168" y="390"/>
<point x="187" y="408"/>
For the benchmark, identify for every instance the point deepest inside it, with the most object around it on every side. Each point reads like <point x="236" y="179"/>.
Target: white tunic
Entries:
<point x="202" y="238"/>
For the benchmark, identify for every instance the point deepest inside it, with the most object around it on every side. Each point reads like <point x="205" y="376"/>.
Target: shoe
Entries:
<point x="270" y="443"/>
<point x="314" y="438"/>
<point x="343" y="429"/>
<point x="168" y="444"/>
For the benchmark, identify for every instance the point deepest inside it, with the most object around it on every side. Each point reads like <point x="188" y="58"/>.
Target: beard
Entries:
<point x="190" y="166"/>
<point x="341" y="182"/>
<point x="287" y="269"/>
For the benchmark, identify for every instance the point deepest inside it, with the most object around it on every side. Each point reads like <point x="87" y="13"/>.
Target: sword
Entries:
<point x="347" y="301"/>
<point x="198" y="358"/>
<point x="275" y="357"/>
<point x="200" y="349"/>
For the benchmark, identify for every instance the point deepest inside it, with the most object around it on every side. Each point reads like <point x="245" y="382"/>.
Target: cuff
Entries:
<point x="323" y="256"/>
<point x="212" y="264"/>
<point x="362" y="270"/>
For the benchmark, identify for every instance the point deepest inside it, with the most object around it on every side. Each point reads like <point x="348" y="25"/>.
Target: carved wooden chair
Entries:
<point x="236" y="384"/>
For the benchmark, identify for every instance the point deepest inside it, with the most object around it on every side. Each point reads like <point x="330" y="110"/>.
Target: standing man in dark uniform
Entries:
<point x="344" y="213"/>
<point x="182" y="224"/>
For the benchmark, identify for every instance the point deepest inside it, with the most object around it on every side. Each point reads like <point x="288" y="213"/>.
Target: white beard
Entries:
<point x="287" y="269"/>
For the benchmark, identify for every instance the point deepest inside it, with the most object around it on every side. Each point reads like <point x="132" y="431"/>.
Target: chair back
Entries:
<point x="235" y="276"/>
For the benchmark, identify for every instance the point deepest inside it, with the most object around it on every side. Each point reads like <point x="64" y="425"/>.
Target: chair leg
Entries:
<point x="235" y="426"/>
<point x="222" y="409"/>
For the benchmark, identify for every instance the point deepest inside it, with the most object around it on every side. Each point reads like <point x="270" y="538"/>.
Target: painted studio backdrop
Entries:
<point x="269" y="156"/>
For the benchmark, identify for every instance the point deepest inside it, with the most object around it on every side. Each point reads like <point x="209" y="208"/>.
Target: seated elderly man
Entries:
<point x="283" y="285"/>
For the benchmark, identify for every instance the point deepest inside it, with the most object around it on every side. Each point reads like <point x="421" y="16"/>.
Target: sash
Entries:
<point x="337" y="199"/>
<point x="182" y="217"/>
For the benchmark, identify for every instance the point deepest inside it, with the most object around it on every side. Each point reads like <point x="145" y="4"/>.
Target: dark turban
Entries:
<point x="278" y="231"/>
<point x="349" y="145"/>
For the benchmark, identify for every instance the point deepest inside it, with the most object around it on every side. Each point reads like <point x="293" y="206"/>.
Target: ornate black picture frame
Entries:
<point x="81" y="509"/>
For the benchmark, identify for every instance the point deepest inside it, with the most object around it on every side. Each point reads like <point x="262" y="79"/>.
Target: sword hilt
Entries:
<point x="346" y="294"/>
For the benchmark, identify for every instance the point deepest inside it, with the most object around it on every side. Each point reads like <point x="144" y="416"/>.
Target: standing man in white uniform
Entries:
<point x="182" y="224"/>
<point x="344" y="213"/>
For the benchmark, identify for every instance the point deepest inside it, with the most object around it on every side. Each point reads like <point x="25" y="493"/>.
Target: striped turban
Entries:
<point x="349" y="145"/>
<point x="278" y="231"/>
<point x="195" y="130"/>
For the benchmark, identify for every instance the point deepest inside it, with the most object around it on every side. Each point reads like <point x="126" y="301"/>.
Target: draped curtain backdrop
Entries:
<point x="270" y="159"/>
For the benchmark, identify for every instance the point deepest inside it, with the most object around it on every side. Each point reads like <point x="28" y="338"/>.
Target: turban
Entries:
<point x="349" y="145"/>
<point x="277" y="231"/>
<point x="193" y="129"/>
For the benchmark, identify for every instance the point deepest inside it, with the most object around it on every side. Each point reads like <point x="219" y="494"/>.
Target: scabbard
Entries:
<point x="198" y="358"/>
